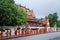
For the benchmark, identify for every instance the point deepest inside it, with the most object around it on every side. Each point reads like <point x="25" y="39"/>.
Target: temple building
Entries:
<point x="32" y="21"/>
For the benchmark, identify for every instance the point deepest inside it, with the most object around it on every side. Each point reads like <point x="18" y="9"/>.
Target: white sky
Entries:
<point x="41" y="8"/>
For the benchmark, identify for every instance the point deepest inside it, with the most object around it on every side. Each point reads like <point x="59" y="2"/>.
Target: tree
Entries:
<point x="52" y="19"/>
<point x="10" y="14"/>
<point x="58" y="23"/>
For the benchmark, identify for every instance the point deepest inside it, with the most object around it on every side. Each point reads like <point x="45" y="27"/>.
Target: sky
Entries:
<point x="41" y="8"/>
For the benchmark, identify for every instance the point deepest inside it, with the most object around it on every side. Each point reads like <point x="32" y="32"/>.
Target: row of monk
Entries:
<point x="22" y="32"/>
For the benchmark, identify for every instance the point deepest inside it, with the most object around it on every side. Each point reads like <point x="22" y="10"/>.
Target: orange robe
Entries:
<point x="10" y="33"/>
<point x="18" y="32"/>
<point x="27" y="32"/>
<point x="31" y="32"/>
<point x="15" y="32"/>
<point x="7" y="34"/>
<point x="22" y="32"/>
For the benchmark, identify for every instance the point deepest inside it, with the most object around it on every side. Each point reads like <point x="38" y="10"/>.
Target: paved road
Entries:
<point x="46" y="36"/>
<point x="57" y="38"/>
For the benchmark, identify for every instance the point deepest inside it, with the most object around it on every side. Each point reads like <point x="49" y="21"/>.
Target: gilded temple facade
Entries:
<point x="32" y="21"/>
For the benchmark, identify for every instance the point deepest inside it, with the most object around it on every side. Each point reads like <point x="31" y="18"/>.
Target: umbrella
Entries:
<point x="34" y="28"/>
<point x="2" y="30"/>
<point x="7" y="29"/>
<point x="18" y="28"/>
<point x="25" y="29"/>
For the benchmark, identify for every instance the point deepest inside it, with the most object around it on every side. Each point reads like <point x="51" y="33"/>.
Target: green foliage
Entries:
<point x="10" y="14"/>
<point x="52" y="19"/>
<point x="58" y="23"/>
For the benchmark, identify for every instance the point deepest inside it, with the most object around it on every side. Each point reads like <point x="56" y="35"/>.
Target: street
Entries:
<point x="46" y="36"/>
